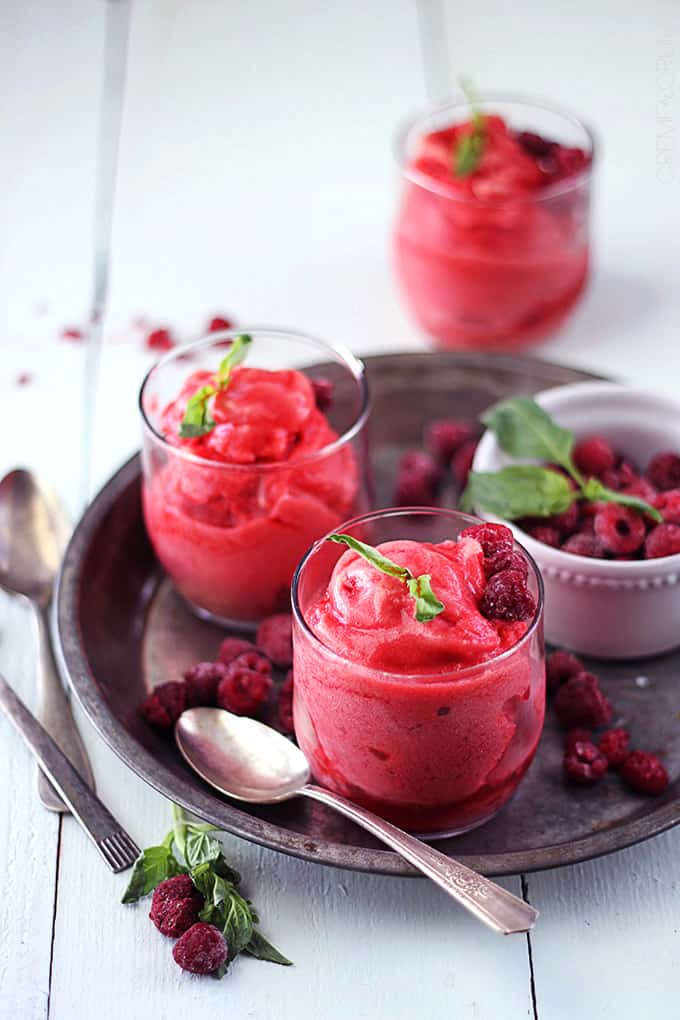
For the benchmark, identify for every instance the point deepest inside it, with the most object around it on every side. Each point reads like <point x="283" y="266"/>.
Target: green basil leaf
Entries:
<point x="152" y="867"/>
<point x="234" y="356"/>
<point x="197" y="419"/>
<point x="373" y="556"/>
<point x="238" y="922"/>
<point x="468" y="153"/>
<point x="596" y="492"/>
<point x="525" y="430"/>
<point x="260" y="948"/>
<point x="428" y="605"/>
<point x="519" y="490"/>
<point x="200" y="848"/>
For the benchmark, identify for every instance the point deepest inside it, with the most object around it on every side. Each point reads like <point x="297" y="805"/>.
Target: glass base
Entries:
<point x="221" y="621"/>
<point x="429" y="836"/>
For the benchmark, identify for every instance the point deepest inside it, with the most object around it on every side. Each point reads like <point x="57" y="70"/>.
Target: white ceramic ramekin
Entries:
<point x="611" y="609"/>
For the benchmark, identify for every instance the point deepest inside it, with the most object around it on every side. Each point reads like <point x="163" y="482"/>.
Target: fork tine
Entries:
<point x="118" y="850"/>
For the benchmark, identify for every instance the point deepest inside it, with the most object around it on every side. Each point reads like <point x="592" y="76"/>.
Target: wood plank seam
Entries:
<point x="532" y="976"/>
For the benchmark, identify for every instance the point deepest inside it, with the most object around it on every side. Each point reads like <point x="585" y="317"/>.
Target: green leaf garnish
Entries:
<point x="470" y="147"/>
<point x="525" y="430"/>
<point x="427" y="605"/>
<point x="197" y="420"/>
<point x="190" y="847"/>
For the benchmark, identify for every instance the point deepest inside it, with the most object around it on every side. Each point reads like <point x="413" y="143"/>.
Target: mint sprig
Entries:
<point x="190" y="849"/>
<point x="526" y="430"/>
<point x="198" y="420"/>
<point x="427" y="605"/>
<point x="469" y="148"/>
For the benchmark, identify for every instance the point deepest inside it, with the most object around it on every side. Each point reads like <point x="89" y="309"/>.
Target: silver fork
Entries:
<point x="113" y="843"/>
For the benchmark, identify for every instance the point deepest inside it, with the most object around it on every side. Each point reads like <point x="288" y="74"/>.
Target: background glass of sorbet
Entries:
<point x="497" y="272"/>
<point x="437" y="754"/>
<point x="230" y="535"/>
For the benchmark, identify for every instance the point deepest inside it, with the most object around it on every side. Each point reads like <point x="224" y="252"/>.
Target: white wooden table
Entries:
<point x="255" y="178"/>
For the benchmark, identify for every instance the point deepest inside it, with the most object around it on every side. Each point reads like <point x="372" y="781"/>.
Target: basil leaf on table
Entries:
<point x="519" y="490"/>
<point x="260" y="948"/>
<point x="525" y="430"/>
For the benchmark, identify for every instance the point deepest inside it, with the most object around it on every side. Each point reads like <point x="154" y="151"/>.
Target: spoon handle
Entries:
<point x="489" y="902"/>
<point x="54" y="712"/>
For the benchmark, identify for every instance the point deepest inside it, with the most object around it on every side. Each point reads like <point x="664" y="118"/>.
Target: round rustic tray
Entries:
<point x="122" y="628"/>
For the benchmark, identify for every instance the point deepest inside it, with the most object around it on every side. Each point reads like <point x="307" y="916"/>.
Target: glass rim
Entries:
<point x="408" y="124"/>
<point x="355" y="366"/>
<point x="431" y="678"/>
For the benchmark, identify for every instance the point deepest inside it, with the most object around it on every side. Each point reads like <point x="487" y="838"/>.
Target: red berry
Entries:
<point x="175" y="906"/>
<point x="323" y="392"/>
<point x="494" y="539"/>
<point x="159" y="340"/>
<point x="72" y="333"/>
<point x="663" y="540"/>
<point x="580" y="702"/>
<point x="614" y="746"/>
<point x="559" y="667"/>
<point x="286" y="704"/>
<point x="506" y="597"/>
<point x="202" y="949"/>
<point x="201" y="683"/>
<point x="584" y="544"/>
<point x="164" y="705"/>
<point x="535" y="145"/>
<point x="253" y="660"/>
<point x="274" y="639"/>
<point x="668" y="505"/>
<point x="664" y="471"/>
<point x="446" y="435"/>
<point x="243" y="691"/>
<point x="515" y="562"/>
<point x="546" y="534"/>
<point x="24" y="378"/>
<point x="461" y="462"/>
<point x="218" y="323"/>
<point x="620" y="529"/>
<point x="575" y="736"/>
<point x="644" y="773"/>
<point x="232" y="647"/>
<point x="418" y="479"/>
<point x="567" y="522"/>
<point x="594" y="455"/>
<point x="584" y="764"/>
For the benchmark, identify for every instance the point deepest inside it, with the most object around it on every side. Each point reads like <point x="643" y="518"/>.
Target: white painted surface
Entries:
<point x="256" y="179"/>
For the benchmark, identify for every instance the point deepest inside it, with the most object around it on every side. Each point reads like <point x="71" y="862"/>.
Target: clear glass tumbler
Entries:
<point x="497" y="272"/>
<point x="436" y="754"/>
<point x="230" y="535"/>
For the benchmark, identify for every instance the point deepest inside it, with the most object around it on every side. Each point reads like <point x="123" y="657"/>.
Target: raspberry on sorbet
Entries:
<point x="507" y="597"/>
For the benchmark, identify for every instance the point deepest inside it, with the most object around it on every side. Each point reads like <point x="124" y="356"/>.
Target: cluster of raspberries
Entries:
<point x="506" y="596"/>
<point x="175" y="906"/>
<point x="608" y="530"/>
<point x="581" y="707"/>
<point x="240" y="679"/>
<point x="450" y="443"/>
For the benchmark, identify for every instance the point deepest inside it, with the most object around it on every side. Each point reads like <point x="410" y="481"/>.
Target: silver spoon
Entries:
<point x="34" y="530"/>
<point x="249" y="761"/>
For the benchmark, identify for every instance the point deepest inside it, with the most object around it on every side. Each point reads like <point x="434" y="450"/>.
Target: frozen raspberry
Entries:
<point x="514" y="561"/>
<point x="164" y="705"/>
<point x="546" y="534"/>
<point x="585" y="764"/>
<point x="493" y="538"/>
<point x="663" y="540"/>
<point x="664" y="471"/>
<point x="323" y="392"/>
<point x="418" y="479"/>
<point x="232" y="647"/>
<point x="253" y="660"/>
<point x="642" y="488"/>
<point x="243" y="691"/>
<point x="274" y="639"/>
<point x="614" y="746"/>
<point x="446" y="435"/>
<point x="72" y="333"/>
<point x="286" y="704"/>
<point x="536" y="145"/>
<point x="461" y="462"/>
<point x="620" y="529"/>
<point x="202" y="949"/>
<point x="24" y="378"/>
<point x="159" y="340"/>
<point x="570" y="160"/>
<point x="644" y="773"/>
<point x="576" y="736"/>
<point x="506" y="597"/>
<point x="218" y="323"/>
<point x="175" y="906"/>
<point x="584" y="544"/>
<point x="580" y="702"/>
<point x="559" y="667"/>
<point x="668" y="505"/>
<point x="201" y="683"/>
<point x="567" y="522"/>
<point x="594" y="456"/>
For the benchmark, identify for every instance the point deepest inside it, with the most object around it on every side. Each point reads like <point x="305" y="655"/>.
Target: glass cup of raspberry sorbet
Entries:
<point x="231" y="513"/>
<point x="499" y="257"/>
<point x="437" y="751"/>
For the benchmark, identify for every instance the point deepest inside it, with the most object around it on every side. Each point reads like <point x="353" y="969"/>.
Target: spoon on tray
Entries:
<point x="34" y="530"/>
<point x="249" y="761"/>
